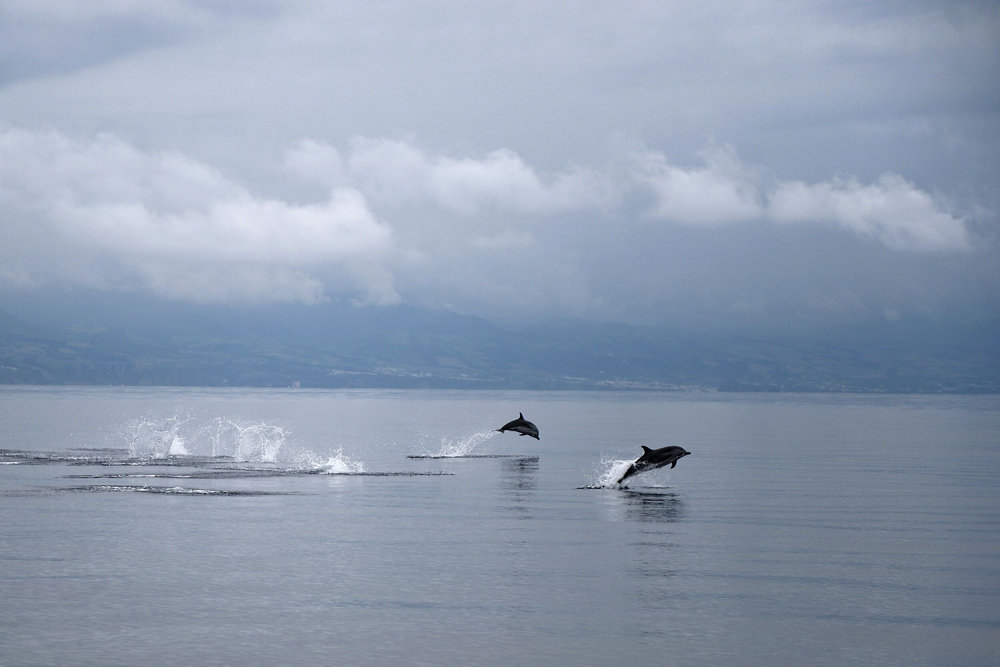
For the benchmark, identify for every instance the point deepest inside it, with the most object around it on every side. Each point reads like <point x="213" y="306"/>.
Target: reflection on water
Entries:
<point x="520" y="474"/>
<point x="656" y="557"/>
<point x="518" y="484"/>
<point x="653" y="507"/>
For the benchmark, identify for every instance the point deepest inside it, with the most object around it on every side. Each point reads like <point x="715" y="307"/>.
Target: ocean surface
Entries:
<point x="217" y="527"/>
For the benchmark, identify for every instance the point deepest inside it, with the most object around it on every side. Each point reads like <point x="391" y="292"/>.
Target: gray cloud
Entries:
<point x="397" y="174"/>
<point x="454" y="230"/>
<point x="723" y="191"/>
<point x="55" y="37"/>
<point x="180" y="225"/>
<point x="892" y="211"/>
<point x="642" y="161"/>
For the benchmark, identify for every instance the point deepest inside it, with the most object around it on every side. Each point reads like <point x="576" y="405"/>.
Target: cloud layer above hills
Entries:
<point x="726" y="163"/>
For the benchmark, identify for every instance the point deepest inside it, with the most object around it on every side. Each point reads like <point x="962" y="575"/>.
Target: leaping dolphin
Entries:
<point x="652" y="459"/>
<point x="522" y="426"/>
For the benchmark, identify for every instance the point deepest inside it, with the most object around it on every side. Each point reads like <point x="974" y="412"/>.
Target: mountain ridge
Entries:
<point x="344" y="345"/>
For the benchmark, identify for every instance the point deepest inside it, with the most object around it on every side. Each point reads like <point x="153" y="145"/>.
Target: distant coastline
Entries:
<point x="409" y="348"/>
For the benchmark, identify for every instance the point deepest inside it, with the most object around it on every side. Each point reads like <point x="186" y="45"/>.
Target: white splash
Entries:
<point x="464" y="446"/>
<point x="339" y="465"/>
<point x="253" y="442"/>
<point x="177" y="448"/>
<point x="183" y="435"/>
<point x="609" y="471"/>
<point x="149" y="438"/>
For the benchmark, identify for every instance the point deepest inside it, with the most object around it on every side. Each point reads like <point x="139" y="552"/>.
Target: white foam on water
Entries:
<point x="150" y="438"/>
<point x="181" y="436"/>
<point x="246" y="440"/>
<point x="339" y="465"/>
<point x="177" y="448"/>
<point x="257" y="442"/>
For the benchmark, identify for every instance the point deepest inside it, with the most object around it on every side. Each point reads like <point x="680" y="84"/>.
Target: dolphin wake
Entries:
<point x="148" y="437"/>
<point x="461" y="447"/>
<point x="182" y="447"/>
<point x="608" y="472"/>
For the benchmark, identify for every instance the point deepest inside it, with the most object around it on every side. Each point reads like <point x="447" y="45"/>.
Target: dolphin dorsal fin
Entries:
<point x="645" y="449"/>
<point x="520" y="415"/>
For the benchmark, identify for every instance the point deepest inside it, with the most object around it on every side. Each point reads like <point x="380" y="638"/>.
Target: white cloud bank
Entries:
<point x="396" y="173"/>
<point x="892" y="210"/>
<point x="181" y="227"/>
<point x="721" y="192"/>
<point x="102" y="212"/>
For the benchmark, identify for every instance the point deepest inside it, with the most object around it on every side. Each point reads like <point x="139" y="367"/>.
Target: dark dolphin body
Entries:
<point x="522" y="426"/>
<point x="652" y="459"/>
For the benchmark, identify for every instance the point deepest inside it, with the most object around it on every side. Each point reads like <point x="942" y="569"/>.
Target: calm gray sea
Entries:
<point x="220" y="527"/>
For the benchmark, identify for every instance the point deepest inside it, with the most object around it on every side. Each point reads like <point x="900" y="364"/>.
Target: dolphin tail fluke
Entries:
<point x="627" y="474"/>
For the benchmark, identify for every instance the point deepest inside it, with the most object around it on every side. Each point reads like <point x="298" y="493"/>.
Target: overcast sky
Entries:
<point x="666" y="162"/>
